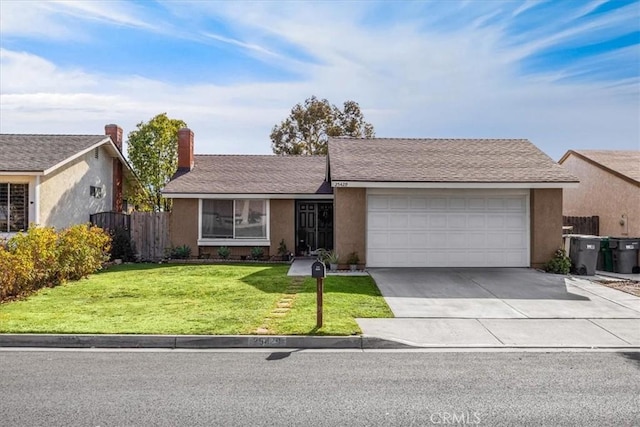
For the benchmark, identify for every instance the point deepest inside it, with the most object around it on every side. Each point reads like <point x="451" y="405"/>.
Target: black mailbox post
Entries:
<point x="319" y="271"/>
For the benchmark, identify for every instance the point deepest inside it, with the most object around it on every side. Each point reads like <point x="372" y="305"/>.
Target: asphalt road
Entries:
<point x="107" y="388"/>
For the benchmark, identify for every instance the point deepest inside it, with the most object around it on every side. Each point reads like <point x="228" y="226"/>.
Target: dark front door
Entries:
<point x="314" y="225"/>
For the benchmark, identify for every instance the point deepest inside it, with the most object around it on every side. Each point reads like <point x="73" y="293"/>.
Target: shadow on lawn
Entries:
<point x="269" y="278"/>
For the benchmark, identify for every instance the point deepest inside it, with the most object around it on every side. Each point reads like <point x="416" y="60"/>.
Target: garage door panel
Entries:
<point x="514" y="221"/>
<point x="456" y="221"/>
<point x="456" y="203"/>
<point x="457" y="240"/>
<point x="495" y="240"/>
<point x="378" y="221"/>
<point x="442" y="230"/>
<point x="399" y="221"/>
<point x="398" y="241"/>
<point x="476" y="221"/>
<point x="399" y="203"/>
<point x="438" y="239"/>
<point x="378" y="240"/>
<point x="438" y="221"/>
<point x="419" y="220"/>
<point x="513" y="204"/>
<point x="474" y="240"/>
<point x="418" y="240"/>
<point x="378" y="202"/>
<point x="418" y="203"/>
<point x="495" y="222"/>
<point x="437" y="203"/>
<point x="515" y="241"/>
<point x="479" y="204"/>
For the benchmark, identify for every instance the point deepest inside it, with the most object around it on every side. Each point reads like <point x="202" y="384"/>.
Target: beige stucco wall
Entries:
<point x="64" y="194"/>
<point x="183" y="224"/>
<point x="282" y="224"/>
<point x="349" y="218"/>
<point x="546" y="224"/>
<point x="605" y="195"/>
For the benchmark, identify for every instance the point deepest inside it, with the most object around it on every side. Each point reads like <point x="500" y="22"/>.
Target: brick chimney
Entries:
<point x="115" y="132"/>
<point x="185" y="149"/>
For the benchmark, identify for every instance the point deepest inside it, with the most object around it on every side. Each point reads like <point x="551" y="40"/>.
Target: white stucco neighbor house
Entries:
<point x="60" y="180"/>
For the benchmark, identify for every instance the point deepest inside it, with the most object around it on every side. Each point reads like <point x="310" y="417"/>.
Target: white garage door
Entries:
<point x="447" y="228"/>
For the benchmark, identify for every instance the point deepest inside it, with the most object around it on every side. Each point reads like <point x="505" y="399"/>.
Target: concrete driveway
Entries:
<point x="502" y="307"/>
<point x="495" y="293"/>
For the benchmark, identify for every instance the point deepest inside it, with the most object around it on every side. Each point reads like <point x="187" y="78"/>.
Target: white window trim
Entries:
<point x="202" y="241"/>
<point x="4" y="234"/>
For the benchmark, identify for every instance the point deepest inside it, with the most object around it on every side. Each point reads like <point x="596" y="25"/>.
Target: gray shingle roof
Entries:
<point x="442" y="160"/>
<point x="252" y="174"/>
<point x="37" y="153"/>
<point x="625" y="162"/>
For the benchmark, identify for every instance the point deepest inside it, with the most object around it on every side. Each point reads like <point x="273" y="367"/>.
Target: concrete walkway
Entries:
<point x="302" y="267"/>
<point x="502" y="308"/>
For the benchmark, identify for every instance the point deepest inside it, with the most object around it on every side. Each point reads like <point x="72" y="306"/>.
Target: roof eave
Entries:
<point x="453" y="185"/>
<point x="21" y="173"/>
<point x="191" y="195"/>
<point x="599" y="165"/>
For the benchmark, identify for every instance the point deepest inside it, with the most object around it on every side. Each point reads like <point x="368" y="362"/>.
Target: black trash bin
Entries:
<point x="584" y="254"/>
<point x="625" y="254"/>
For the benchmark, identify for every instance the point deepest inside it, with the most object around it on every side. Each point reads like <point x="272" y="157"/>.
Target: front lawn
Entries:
<point x="192" y="299"/>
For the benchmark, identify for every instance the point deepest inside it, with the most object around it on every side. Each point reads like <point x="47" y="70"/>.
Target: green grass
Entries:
<point x="191" y="299"/>
<point x="345" y="298"/>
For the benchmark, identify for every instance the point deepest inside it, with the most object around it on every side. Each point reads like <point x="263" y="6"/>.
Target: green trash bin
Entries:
<point x="605" y="256"/>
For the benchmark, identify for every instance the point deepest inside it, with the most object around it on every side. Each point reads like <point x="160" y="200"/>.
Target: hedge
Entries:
<point x="42" y="257"/>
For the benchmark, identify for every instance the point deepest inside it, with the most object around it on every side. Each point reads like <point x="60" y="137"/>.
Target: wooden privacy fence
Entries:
<point x="111" y="220"/>
<point x="583" y="224"/>
<point x="150" y="234"/>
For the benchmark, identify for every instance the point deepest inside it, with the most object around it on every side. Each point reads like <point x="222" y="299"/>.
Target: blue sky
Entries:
<point x="564" y="74"/>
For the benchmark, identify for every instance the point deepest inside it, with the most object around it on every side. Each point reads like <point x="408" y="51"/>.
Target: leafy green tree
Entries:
<point x="309" y="126"/>
<point x="153" y="153"/>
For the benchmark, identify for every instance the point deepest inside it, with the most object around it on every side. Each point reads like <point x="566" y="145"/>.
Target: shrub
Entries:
<point x="224" y="252"/>
<point x="82" y="250"/>
<point x="353" y="258"/>
<point x="41" y="257"/>
<point x="121" y="246"/>
<point x="559" y="264"/>
<point x="257" y="252"/>
<point x="15" y="273"/>
<point x="181" y="252"/>
<point x="38" y="247"/>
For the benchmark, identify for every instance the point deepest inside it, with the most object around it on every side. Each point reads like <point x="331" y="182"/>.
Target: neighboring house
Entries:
<point x="59" y="180"/>
<point x="609" y="188"/>
<point x="396" y="202"/>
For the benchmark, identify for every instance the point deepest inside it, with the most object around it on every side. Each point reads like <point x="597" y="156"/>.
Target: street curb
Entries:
<point x="197" y="341"/>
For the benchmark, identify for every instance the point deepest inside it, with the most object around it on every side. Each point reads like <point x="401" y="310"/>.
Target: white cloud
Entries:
<point x="410" y="81"/>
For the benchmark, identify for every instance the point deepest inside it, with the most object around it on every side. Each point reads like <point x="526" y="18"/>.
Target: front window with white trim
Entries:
<point x="14" y="207"/>
<point x="241" y="220"/>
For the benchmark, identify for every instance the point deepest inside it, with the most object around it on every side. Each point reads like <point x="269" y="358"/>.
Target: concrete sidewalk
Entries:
<point x="552" y="333"/>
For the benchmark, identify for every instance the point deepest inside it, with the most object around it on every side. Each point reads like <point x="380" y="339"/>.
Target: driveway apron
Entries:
<point x="502" y="307"/>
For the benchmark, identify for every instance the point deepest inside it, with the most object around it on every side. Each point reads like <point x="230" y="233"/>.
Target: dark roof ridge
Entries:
<point x="261" y="155"/>
<point x="430" y="139"/>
